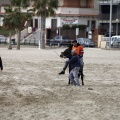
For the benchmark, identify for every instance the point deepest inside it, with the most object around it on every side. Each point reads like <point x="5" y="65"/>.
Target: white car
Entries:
<point x="115" y="40"/>
<point x="86" y="42"/>
<point x="3" y="39"/>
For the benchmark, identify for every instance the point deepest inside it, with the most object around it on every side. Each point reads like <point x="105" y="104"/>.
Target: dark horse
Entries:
<point x="80" y="74"/>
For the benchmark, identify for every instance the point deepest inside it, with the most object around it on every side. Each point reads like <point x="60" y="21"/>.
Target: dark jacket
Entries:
<point x="1" y="66"/>
<point x="74" y="61"/>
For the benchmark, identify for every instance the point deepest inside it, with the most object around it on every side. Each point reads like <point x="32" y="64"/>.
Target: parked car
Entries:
<point x="86" y="42"/>
<point x="115" y="41"/>
<point x="60" y="40"/>
<point x="3" y="39"/>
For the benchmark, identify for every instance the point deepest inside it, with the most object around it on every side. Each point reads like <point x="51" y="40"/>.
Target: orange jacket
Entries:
<point x="79" y="50"/>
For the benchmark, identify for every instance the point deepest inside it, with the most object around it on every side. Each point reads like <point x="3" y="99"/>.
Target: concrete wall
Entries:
<point x="80" y="21"/>
<point x="101" y="42"/>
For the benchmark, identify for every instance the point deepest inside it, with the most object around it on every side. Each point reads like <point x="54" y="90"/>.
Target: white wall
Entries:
<point x="96" y="4"/>
<point x="2" y="9"/>
<point x="48" y="22"/>
<point x="1" y="21"/>
<point x="80" y="21"/>
<point x="61" y="2"/>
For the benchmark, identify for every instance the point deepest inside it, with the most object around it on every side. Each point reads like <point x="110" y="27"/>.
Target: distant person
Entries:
<point x="1" y="66"/>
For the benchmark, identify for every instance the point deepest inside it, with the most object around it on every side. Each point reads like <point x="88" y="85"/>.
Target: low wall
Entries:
<point x="101" y="42"/>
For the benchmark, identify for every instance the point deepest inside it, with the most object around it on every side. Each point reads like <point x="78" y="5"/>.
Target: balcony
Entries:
<point x="106" y="17"/>
<point x="77" y="11"/>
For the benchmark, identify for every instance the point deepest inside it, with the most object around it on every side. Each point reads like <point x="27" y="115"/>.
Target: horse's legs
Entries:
<point x="81" y="70"/>
<point x="82" y="77"/>
<point x="69" y="82"/>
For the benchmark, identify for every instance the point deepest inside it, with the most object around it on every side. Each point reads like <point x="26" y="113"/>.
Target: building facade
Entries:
<point x="104" y="17"/>
<point x="3" y="4"/>
<point x="80" y="12"/>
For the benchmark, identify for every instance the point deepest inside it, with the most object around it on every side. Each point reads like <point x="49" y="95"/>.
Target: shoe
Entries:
<point x="62" y="72"/>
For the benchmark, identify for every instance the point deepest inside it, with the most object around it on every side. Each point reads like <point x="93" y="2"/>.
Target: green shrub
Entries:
<point x="5" y="32"/>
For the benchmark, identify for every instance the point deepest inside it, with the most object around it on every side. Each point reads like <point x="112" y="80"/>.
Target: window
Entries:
<point x="53" y="23"/>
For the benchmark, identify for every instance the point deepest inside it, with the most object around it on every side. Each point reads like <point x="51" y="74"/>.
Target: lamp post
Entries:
<point x="59" y="31"/>
<point x="117" y="21"/>
<point x="110" y="24"/>
<point x="40" y="20"/>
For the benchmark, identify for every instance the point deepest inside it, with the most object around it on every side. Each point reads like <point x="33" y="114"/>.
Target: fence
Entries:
<point x="110" y="43"/>
<point x="34" y="42"/>
<point x="30" y="42"/>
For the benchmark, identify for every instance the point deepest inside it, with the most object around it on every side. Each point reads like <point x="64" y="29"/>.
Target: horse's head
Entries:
<point x="64" y="53"/>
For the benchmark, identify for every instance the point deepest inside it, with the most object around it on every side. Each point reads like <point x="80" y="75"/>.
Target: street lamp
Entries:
<point x="59" y="31"/>
<point x="117" y="21"/>
<point x="110" y="24"/>
<point x="40" y="24"/>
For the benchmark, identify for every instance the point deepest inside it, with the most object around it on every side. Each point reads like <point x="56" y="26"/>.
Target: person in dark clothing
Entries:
<point x="1" y="66"/>
<point x="75" y="66"/>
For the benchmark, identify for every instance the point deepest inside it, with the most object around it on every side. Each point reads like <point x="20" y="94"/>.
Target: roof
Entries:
<point x="4" y="2"/>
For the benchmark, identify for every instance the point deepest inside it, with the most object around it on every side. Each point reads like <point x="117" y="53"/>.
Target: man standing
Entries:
<point x="75" y="66"/>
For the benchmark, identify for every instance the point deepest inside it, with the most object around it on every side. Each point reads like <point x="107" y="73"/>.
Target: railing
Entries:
<point x="82" y="11"/>
<point x="30" y="42"/>
<point x="107" y="39"/>
<point x="34" y="42"/>
<point x="107" y="16"/>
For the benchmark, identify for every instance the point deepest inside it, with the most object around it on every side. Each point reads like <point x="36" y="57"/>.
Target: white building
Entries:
<point x="82" y="12"/>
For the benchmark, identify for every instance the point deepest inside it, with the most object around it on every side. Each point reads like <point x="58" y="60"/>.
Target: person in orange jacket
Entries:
<point x="80" y="51"/>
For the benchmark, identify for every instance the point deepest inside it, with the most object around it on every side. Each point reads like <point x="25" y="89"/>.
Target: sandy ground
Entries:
<point x="31" y="89"/>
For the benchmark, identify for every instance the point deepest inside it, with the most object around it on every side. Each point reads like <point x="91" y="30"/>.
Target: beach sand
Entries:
<point x="31" y="89"/>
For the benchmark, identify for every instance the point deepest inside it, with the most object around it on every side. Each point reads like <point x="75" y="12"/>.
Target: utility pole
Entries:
<point x="110" y="24"/>
<point x="40" y="20"/>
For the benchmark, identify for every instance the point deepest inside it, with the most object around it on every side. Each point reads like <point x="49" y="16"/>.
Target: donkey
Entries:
<point x="67" y="52"/>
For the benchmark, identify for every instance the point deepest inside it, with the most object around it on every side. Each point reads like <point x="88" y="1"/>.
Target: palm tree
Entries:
<point x="8" y="23"/>
<point x="19" y="17"/>
<point x="45" y="8"/>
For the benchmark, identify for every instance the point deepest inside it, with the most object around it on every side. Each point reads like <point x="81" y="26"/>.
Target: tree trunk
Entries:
<point x="10" y="46"/>
<point x="42" y="40"/>
<point x="18" y="41"/>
